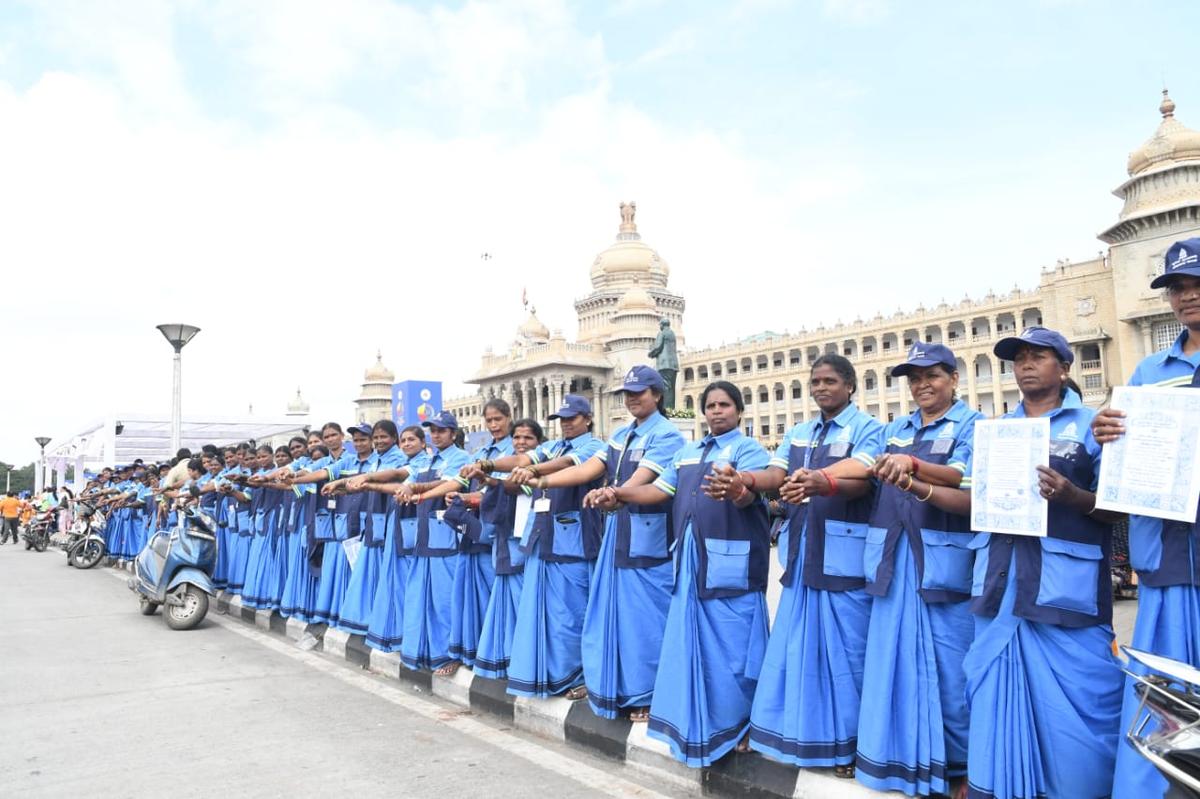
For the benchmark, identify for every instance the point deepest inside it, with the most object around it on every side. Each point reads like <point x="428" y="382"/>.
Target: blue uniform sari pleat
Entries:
<point x="239" y="553"/>
<point x="385" y="630"/>
<point x="912" y="730"/>
<point x="355" y="615"/>
<point x="220" y="574"/>
<point x="547" y="656"/>
<point x="809" y="693"/>
<point x="256" y="557"/>
<point x="300" y="587"/>
<point x="427" y="596"/>
<point x="712" y="650"/>
<point x="331" y="585"/>
<point x="1045" y="705"/>
<point x="499" y="624"/>
<point x="1167" y="624"/>
<point x="623" y="629"/>
<point x="473" y="578"/>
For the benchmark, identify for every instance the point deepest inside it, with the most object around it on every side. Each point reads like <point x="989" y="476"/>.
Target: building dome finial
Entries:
<point x="1167" y="106"/>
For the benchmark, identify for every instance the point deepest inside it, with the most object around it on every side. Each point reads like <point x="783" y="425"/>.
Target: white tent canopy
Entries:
<point x="148" y="436"/>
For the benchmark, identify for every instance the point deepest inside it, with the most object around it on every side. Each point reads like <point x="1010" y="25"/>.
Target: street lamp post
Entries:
<point x="39" y="479"/>
<point x="178" y="336"/>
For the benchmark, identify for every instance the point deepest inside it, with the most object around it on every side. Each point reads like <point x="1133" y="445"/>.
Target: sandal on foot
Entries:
<point x="576" y="693"/>
<point x="846" y="772"/>
<point x="639" y="715"/>
<point x="448" y="670"/>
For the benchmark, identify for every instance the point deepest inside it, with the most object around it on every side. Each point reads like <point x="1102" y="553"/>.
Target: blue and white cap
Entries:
<point x="1182" y="258"/>
<point x="444" y="419"/>
<point x="573" y="405"/>
<point x="1036" y="336"/>
<point x="362" y="428"/>
<point x="921" y="355"/>
<point x="639" y="378"/>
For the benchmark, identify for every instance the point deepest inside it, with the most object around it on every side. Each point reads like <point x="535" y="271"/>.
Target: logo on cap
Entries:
<point x="916" y="352"/>
<point x="631" y="375"/>
<point x="1183" y="259"/>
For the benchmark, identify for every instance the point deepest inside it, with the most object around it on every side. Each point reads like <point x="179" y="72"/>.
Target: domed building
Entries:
<point x="297" y="407"/>
<point x="618" y="323"/>
<point x="375" y="401"/>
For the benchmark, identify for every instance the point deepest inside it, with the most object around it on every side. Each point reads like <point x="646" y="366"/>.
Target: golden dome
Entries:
<point x="379" y="373"/>
<point x="629" y="256"/>
<point x="533" y="329"/>
<point x="1171" y="143"/>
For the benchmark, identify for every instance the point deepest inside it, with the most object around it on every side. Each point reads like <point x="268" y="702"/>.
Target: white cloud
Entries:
<point x="857" y="11"/>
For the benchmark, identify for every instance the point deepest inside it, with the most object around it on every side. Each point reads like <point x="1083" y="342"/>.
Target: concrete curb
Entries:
<point x="736" y="775"/>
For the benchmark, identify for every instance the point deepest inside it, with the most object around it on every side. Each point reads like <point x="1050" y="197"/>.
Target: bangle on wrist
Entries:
<point x="747" y="476"/>
<point x="927" y="496"/>
<point x="907" y="486"/>
<point x="533" y="469"/>
<point x="833" y="489"/>
<point x="914" y="463"/>
<point x="542" y="483"/>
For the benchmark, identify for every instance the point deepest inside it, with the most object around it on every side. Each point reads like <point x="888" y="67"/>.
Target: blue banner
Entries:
<point x="414" y="401"/>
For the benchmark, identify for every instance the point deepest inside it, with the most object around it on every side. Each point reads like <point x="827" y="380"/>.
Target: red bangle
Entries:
<point x="832" y="482"/>
<point x="912" y="459"/>
<point x="747" y="476"/>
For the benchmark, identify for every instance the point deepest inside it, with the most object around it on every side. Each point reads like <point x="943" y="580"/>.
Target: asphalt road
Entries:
<point x="98" y="701"/>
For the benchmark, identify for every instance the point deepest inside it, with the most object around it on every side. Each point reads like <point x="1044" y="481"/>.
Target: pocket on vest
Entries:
<point x="324" y="527"/>
<point x="408" y="532"/>
<point x="568" y="535"/>
<point x="948" y="561"/>
<point x="647" y="535"/>
<point x="845" y="545"/>
<point x="728" y="564"/>
<point x="441" y="535"/>
<point x="981" y="546"/>
<point x="1070" y="572"/>
<point x="873" y="551"/>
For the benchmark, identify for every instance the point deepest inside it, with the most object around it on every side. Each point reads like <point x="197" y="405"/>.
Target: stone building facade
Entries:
<point x="1103" y="306"/>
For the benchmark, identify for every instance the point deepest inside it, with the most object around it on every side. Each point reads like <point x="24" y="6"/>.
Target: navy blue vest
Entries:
<point x="940" y="541"/>
<point x="436" y="538"/>
<point x="733" y="544"/>
<point x="644" y="532"/>
<point x="836" y="526"/>
<point x="1053" y="573"/>
<point x="568" y="533"/>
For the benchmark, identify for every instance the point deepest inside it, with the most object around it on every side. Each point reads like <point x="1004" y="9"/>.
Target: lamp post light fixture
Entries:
<point x="178" y="336"/>
<point x="39" y="480"/>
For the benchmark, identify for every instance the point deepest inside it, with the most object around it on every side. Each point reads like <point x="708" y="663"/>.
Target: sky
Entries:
<point x="312" y="182"/>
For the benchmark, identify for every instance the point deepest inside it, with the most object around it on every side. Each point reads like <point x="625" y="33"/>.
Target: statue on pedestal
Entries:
<point x="666" y="360"/>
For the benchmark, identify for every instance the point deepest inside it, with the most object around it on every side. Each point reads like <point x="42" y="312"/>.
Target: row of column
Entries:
<point x="528" y="400"/>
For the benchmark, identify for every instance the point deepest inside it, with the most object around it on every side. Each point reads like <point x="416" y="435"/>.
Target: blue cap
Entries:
<point x="1036" y="336"/>
<point x="445" y="420"/>
<point x="640" y="378"/>
<point x="361" y="427"/>
<point x="573" y="405"/>
<point x="921" y="355"/>
<point x="1182" y="258"/>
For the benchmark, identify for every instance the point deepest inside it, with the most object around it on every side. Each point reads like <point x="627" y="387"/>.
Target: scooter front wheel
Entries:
<point x="147" y="607"/>
<point x="86" y="554"/>
<point x="190" y="613"/>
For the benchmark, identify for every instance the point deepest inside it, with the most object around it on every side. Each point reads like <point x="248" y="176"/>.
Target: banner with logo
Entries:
<point x="414" y="401"/>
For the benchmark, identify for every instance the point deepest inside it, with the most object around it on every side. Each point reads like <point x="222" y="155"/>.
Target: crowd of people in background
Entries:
<point x="907" y="651"/>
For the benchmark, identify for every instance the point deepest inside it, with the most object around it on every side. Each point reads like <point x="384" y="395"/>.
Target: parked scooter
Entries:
<point x="174" y="570"/>
<point x="1166" y="728"/>
<point x="85" y="547"/>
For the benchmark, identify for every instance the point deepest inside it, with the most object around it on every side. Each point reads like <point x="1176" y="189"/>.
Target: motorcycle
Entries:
<point x="1166" y="728"/>
<point x="174" y="570"/>
<point x="86" y="548"/>
<point x="37" y="532"/>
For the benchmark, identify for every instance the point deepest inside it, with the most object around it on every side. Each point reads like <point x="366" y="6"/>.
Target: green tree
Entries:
<point x="20" y="480"/>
